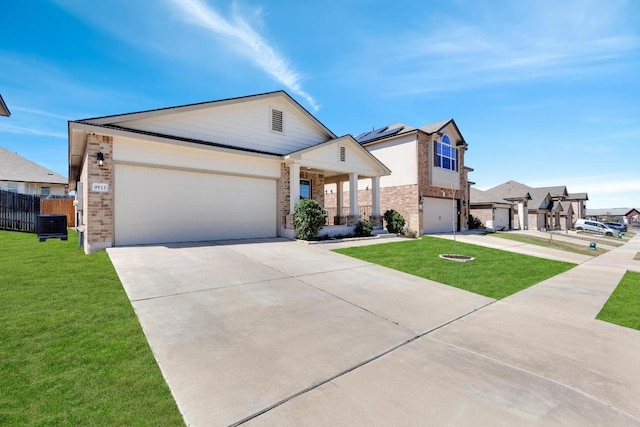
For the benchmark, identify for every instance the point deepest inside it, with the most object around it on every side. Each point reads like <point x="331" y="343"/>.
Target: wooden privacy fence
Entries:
<point x="59" y="206"/>
<point x="19" y="212"/>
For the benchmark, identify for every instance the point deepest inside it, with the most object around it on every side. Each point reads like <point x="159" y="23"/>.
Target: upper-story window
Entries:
<point x="446" y="155"/>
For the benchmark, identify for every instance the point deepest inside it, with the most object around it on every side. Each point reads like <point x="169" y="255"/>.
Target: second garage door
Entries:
<point x="155" y="205"/>
<point x="438" y="215"/>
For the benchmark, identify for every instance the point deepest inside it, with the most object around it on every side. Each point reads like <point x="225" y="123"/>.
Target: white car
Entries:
<point x="594" y="227"/>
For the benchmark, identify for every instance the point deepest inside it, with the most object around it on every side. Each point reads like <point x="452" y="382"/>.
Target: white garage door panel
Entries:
<point x="154" y="205"/>
<point x="501" y="219"/>
<point x="438" y="215"/>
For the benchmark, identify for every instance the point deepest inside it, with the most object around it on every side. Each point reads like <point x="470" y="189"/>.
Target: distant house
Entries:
<point x="622" y="215"/>
<point x="536" y="208"/>
<point x="21" y="175"/>
<point x="4" y="110"/>
<point x="429" y="184"/>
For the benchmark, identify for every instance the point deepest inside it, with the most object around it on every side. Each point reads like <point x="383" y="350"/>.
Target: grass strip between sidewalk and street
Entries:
<point x="623" y="306"/>
<point x="71" y="349"/>
<point x="494" y="273"/>
<point x="552" y="243"/>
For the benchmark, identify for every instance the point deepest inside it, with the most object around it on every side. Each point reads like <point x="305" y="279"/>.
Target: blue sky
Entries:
<point x="544" y="92"/>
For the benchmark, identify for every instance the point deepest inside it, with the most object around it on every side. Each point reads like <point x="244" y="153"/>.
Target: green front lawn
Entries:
<point x="623" y="306"/>
<point x="494" y="273"/>
<point x="71" y="349"/>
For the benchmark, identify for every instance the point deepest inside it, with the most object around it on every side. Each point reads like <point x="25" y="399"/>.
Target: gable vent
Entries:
<point x="343" y="154"/>
<point x="276" y="120"/>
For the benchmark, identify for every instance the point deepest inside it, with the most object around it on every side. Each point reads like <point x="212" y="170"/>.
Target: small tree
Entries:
<point x="308" y="218"/>
<point x="395" y="221"/>
<point x="364" y="228"/>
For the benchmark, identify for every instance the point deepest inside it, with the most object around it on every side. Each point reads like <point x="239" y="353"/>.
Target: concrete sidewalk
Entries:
<point x="517" y="247"/>
<point x="281" y="333"/>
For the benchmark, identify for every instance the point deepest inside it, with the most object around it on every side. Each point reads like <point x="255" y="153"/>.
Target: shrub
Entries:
<point x="308" y="218"/>
<point x="394" y="220"/>
<point x="473" y="222"/>
<point x="364" y="228"/>
<point x="412" y="234"/>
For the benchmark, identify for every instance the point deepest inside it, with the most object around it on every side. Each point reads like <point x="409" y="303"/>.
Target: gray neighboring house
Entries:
<point x="20" y="175"/>
<point x="622" y="215"/>
<point x="4" y="110"/>
<point x="536" y="208"/>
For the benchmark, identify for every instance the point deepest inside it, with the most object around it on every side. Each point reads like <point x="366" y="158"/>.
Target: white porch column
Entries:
<point x="375" y="196"/>
<point x="294" y="186"/>
<point x="339" y="195"/>
<point x="353" y="194"/>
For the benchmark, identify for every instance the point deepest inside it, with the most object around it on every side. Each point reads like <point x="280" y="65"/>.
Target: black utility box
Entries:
<point x="52" y="226"/>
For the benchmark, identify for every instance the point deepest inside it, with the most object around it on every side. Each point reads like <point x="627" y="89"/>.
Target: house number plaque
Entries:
<point x="100" y="187"/>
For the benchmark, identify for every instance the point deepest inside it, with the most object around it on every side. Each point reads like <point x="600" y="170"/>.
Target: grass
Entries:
<point x="494" y="273"/>
<point x="71" y="349"/>
<point x="551" y="243"/>
<point x="623" y="306"/>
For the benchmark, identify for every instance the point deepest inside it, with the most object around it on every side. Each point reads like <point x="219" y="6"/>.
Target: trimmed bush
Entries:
<point x="474" y="222"/>
<point x="394" y="221"/>
<point x="364" y="228"/>
<point x="308" y="218"/>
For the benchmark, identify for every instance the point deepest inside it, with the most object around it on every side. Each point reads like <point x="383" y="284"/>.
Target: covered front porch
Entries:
<point x="304" y="174"/>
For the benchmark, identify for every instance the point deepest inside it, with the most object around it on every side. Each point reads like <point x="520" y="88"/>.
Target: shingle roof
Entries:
<point x="4" y="110"/>
<point x="610" y="211"/>
<point x="14" y="167"/>
<point x="397" y="129"/>
<point x="514" y="189"/>
<point x="578" y="196"/>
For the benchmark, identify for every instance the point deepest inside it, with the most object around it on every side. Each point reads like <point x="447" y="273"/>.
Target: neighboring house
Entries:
<point x="622" y="215"/>
<point x="536" y="208"/>
<point x="4" y="110"/>
<point x="429" y="185"/>
<point x="579" y="204"/>
<point x="227" y="169"/>
<point x="20" y="175"/>
<point x="497" y="213"/>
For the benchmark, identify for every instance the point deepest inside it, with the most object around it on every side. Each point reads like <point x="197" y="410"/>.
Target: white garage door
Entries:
<point x="501" y="219"/>
<point x="438" y="215"/>
<point x="154" y="205"/>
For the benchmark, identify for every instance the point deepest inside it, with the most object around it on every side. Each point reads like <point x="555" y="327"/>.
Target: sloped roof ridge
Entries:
<point x="176" y="107"/>
<point x="14" y="167"/>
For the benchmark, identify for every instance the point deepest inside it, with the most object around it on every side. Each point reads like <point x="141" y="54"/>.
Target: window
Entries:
<point x="276" y="121"/>
<point x="12" y="187"/>
<point x="343" y="154"/>
<point x="45" y="191"/>
<point x="305" y="189"/>
<point x="446" y="155"/>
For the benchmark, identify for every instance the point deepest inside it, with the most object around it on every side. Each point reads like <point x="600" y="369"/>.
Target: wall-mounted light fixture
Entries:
<point x="100" y="159"/>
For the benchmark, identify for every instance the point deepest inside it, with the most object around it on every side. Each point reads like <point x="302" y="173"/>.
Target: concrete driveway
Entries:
<point x="275" y="332"/>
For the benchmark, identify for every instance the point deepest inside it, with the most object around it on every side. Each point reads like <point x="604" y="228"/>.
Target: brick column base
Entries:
<point x="339" y="220"/>
<point x="376" y="220"/>
<point x="353" y="219"/>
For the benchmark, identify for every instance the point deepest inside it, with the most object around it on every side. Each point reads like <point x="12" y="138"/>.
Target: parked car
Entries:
<point x="617" y="226"/>
<point x="595" y="227"/>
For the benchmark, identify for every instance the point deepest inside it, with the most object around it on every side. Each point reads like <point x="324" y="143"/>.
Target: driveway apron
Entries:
<point x="240" y="327"/>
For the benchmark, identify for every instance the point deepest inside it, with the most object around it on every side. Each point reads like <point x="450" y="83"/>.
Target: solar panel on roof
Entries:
<point x="390" y="132"/>
<point x="378" y="133"/>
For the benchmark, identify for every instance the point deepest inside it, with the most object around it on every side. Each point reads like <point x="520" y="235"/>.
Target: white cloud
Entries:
<point x="248" y="42"/>
<point x="490" y="44"/>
